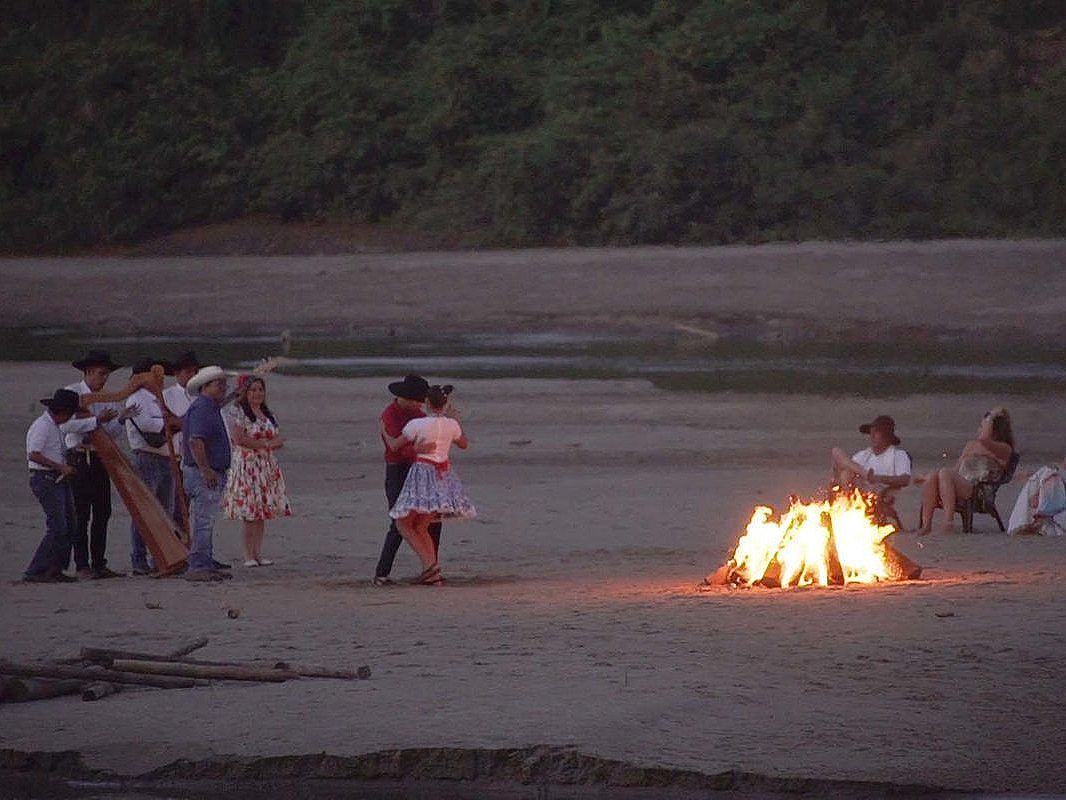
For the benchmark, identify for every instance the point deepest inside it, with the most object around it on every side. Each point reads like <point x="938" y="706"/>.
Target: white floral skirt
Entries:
<point x="428" y="492"/>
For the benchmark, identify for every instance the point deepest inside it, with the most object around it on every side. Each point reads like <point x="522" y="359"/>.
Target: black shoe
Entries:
<point x="103" y="572"/>
<point x="59" y="577"/>
<point x="37" y="578"/>
<point x="220" y="565"/>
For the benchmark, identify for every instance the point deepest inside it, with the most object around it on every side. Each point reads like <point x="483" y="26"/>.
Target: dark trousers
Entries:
<point x="395" y="475"/>
<point x="57" y="502"/>
<point x="92" y="507"/>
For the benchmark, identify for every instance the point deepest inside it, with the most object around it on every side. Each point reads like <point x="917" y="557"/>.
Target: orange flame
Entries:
<point x="813" y="543"/>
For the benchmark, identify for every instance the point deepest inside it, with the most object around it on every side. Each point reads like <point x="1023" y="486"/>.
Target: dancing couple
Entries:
<point x="420" y="485"/>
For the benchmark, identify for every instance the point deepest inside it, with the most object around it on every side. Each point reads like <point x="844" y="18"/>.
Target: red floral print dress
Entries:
<point x="255" y="486"/>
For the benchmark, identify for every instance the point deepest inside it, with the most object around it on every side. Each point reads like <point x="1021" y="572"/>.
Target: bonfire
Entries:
<point x="831" y="542"/>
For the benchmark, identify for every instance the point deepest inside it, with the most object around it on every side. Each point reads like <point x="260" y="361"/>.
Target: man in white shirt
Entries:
<point x="91" y="483"/>
<point x="46" y="457"/>
<point x="882" y="466"/>
<point x="178" y="399"/>
<point x="147" y="434"/>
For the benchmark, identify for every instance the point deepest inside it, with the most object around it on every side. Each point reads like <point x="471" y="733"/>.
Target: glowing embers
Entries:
<point x="831" y="542"/>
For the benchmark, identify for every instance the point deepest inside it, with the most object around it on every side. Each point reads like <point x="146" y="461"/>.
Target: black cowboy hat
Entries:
<point x="883" y="423"/>
<point x="185" y="360"/>
<point x="145" y="364"/>
<point x="95" y="358"/>
<point x="412" y="387"/>
<point x="62" y="400"/>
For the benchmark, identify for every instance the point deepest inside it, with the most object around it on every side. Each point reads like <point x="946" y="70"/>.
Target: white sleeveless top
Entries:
<point x="441" y="431"/>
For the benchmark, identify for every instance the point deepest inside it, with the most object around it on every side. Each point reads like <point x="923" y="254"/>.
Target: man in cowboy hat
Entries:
<point x="50" y="474"/>
<point x="91" y="483"/>
<point x="205" y="461"/>
<point x="883" y="465"/>
<point x="409" y="395"/>
<point x="147" y="435"/>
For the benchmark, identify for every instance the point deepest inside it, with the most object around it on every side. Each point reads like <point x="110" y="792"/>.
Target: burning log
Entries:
<point x="900" y="567"/>
<point x="833" y="542"/>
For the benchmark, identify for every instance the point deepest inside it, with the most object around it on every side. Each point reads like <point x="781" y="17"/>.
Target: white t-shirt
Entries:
<point x="149" y="419"/>
<point x="892" y="461"/>
<point x="112" y="428"/>
<point x="47" y="438"/>
<point x="178" y="401"/>
<point x="441" y="431"/>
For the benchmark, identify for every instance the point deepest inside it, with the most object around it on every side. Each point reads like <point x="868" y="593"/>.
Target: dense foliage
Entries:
<point x="535" y="121"/>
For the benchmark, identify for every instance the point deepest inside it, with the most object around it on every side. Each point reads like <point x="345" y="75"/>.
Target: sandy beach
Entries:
<point x="572" y="616"/>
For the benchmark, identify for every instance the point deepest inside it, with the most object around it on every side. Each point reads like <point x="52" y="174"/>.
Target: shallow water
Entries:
<point x="671" y="362"/>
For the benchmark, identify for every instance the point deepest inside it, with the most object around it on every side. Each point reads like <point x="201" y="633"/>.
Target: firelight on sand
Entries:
<point x="815" y="543"/>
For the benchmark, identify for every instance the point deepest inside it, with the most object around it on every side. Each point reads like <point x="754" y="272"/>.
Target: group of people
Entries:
<point x="202" y="451"/>
<point x="884" y="467"/>
<point x="201" y="456"/>
<point x="196" y="462"/>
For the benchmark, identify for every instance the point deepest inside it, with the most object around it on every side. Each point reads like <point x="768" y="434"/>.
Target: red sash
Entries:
<point x="441" y="466"/>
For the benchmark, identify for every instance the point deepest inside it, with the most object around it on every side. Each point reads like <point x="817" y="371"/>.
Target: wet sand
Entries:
<point x="571" y="617"/>
<point x="982" y="292"/>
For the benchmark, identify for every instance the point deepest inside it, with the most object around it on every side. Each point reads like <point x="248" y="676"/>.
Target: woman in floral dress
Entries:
<point x="255" y="487"/>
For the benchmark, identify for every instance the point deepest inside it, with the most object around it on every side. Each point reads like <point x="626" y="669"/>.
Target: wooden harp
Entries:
<point x="161" y="535"/>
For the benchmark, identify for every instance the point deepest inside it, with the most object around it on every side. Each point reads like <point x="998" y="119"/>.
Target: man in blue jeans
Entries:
<point x="50" y="482"/>
<point x="205" y="461"/>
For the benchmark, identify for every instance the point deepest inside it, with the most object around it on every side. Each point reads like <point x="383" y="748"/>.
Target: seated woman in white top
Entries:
<point x="432" y="490"/>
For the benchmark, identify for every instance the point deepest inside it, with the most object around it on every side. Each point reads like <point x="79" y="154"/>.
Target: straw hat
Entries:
<point x="205" y="376"/>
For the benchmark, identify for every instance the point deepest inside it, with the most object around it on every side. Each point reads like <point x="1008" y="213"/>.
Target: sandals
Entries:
<point x="431" y="576"/>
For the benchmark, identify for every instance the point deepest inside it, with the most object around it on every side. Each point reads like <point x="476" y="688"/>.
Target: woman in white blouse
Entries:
<point x="432" y="490"/>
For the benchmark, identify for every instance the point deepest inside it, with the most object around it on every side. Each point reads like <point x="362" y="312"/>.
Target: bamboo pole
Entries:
<point x="228" y="672"/>
<point x="96" y="673"/>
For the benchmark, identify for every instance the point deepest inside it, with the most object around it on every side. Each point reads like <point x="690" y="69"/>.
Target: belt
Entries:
<point x="44" y="472"/>
<point x="441" y="466"/>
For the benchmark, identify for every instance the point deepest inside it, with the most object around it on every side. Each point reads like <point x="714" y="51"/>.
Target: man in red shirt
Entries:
<point x="410" y="395"/>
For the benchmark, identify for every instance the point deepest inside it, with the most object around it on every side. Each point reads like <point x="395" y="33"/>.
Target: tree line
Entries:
<point x="535" y="121"/>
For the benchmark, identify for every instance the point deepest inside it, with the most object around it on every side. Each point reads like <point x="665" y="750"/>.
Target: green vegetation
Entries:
<point x="535" y="121"/>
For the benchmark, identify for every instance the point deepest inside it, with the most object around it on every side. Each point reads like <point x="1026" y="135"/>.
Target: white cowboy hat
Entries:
<point x="205" y="376"/>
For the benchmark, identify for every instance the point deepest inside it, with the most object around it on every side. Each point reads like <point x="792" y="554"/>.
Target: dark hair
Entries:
<point x="1001" y="428"/>
<point x="438" y="395"/>
<point x="246" y="407"/>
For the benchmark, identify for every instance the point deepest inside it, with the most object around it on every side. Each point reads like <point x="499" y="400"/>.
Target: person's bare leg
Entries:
<point x="417" y="538"/>
<point x="948" y="493"/>
<point x="930" y="490"/>
<point x="248" y="537"/>
<point x="260" y="534"/>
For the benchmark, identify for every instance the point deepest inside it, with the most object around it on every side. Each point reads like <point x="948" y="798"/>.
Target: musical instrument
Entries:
<point x="163" y="538"/>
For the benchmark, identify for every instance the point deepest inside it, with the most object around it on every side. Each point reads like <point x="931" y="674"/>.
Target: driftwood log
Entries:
<point x="312" y="671"/>
<point x="228" y="672"/>
<point x="98" y="690"/>
<point x="96" y="673"/>
<point x="112" y="658"/>
<point x="23" y="690"/>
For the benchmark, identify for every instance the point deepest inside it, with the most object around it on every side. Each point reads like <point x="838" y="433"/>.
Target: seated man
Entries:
<point x="882" y="468"/>
<point x="1041" y="505"/>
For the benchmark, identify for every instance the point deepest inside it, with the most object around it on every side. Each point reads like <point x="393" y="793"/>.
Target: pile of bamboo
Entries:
<point x="98" y="672"/>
